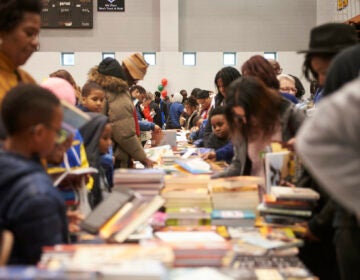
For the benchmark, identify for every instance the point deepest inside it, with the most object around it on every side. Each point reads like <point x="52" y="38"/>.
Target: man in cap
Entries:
<point x="326" y="41"/>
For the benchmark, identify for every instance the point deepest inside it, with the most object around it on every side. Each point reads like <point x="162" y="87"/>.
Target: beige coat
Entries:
<point x="120" y="110"/>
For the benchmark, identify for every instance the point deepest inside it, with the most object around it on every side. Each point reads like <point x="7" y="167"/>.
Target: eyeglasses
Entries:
<point x="61" y="134"/>
<point x="288" y="89"/>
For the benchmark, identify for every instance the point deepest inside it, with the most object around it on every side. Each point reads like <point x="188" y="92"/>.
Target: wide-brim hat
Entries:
<point x="136" y="65"/>
<point x="331" y="38"/>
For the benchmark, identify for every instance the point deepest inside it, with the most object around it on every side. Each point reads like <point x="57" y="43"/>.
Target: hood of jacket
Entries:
<point x="91" y="133"/>
<point x="108" y="83"/>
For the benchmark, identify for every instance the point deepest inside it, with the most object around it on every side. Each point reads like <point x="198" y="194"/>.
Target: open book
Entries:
<point x="60" y="177"/>
<point x="73" y="117"/>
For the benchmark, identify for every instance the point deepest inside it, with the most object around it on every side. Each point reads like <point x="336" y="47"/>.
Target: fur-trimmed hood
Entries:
<point x="108" y="83"/>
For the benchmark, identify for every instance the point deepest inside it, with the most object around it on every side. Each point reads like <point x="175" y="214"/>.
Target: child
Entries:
<point x="219" y="138"/>
<point x="31" y="208"/>
<point x="97" y="140"/>
<point x="92" y="98"/>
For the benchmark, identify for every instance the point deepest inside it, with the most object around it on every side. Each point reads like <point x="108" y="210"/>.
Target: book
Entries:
<point x="235" y="182"/>
<point x="267" y="237"/>
<point x="73" y="117"/>
<point x="189" y="236"/>
<point x="105" y="210"/>
<point x="194" y="165"/>
<point x="139" y="216"/>
<point x="232" y="214"/>
<point x="68" y="173"/>
<point x="294" y="193"/>
<point x="263" y="209"/>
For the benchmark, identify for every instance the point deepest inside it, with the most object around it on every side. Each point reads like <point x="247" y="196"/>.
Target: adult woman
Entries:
<point x="120" y="109"/>
<point x="19" y="30"/>
<point x="222" y="80"/>
<point x="257" y="116"/>
<point x="191" y="111"/>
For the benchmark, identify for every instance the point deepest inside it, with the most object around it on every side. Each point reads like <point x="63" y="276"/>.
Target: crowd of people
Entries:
<point x="250" y="109"/>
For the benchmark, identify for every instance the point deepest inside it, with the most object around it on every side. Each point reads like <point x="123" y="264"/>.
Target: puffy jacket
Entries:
<point x="30" y="207"/>
<point x="120" y="110"/>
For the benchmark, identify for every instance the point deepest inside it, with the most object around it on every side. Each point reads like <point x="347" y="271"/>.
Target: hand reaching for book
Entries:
<point x="74" y="219"/>
<point x="148" y="163"/>
<point x="209" y="156"/>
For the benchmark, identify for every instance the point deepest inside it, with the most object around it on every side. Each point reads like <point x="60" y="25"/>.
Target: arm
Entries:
<point x="235" y="167"/>
<point x="329" y="146"/>
<point x="40" y="221"/>
<point x="225" y="153"/>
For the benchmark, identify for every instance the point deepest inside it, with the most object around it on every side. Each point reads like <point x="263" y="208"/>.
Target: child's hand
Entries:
<point x="209" y="156"/>
<point x="74" y="219"/>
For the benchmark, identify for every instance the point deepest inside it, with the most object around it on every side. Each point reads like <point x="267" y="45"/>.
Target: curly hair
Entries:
<point x="259" y="67"/>
<point x="12" y="12"/>
<point x="260" y="103"/>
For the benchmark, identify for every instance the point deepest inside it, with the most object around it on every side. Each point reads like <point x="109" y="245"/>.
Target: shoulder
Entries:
<point x="109" y="83"/>
<point x="25" y="76"/>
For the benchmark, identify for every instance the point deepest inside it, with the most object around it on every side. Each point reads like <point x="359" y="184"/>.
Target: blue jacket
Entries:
<point x="225" y="153"/>
<point x="30" y="207"/>
<point x="175" y="111"/>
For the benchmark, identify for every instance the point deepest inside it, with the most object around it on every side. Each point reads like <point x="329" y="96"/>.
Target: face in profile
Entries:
<point x="48" y="134"/>
<point x="220" y="86"/>
<point x="19" y="43"/>
<point x="95" y="101"/>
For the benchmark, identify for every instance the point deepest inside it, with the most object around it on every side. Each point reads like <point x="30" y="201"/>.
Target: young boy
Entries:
<point x="92" y="98"/>
<point x="30" y="207"/>
<point x="219" y="138"/>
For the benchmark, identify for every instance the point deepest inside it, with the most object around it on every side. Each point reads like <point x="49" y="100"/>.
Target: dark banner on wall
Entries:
<point x="111" y="5"/>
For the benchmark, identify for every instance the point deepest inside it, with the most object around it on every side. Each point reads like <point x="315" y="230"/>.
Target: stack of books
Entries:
<point x="187" y="200"/>
<point x="147" y="182"/>
<point x="234" y="200"/>
<point x="287" y="205"/>
<point x="195" y="248"/>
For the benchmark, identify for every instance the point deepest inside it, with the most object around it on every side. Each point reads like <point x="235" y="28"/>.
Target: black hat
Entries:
<point x="331" y="38"/>
<point x="202" y="94"/>
<point x="111" y="67"/>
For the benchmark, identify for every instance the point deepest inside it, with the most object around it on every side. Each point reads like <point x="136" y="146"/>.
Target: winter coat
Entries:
<point x="120" y="110"/>
<point x="30" y="207"/>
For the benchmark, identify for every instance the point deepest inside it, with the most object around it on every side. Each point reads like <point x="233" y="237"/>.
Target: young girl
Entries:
<point x="97" y="140"/>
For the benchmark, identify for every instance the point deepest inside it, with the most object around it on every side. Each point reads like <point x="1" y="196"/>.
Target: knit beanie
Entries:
<point x="136" y="65"/>
<point x="111" y="67"/>
<point x="61" y="88"/>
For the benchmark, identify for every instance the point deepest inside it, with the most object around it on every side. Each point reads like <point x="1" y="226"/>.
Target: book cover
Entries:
<point x="294" y="193"/>
<point x="105" y="210"/>
<point x="139" y="216"/>
<point x="69" y="174"/>
<point x="73" y="117"/>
